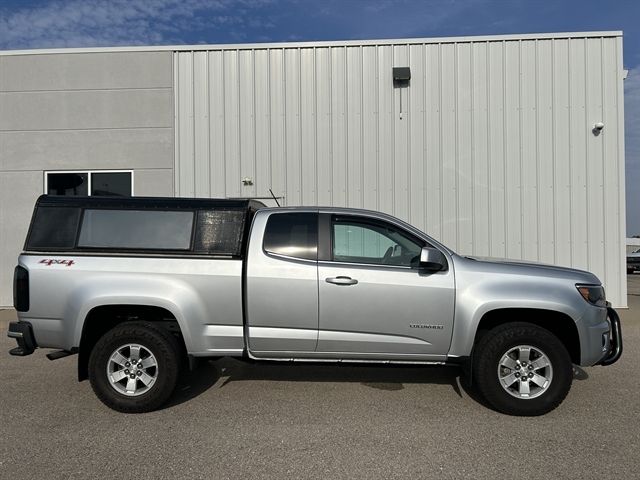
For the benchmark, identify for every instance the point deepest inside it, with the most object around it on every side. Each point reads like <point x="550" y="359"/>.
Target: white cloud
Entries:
<point x="87" y="23"/>
<point x="632" y="149"/>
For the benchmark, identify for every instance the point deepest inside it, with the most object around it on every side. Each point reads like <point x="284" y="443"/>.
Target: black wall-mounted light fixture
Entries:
<point x="401" y="76"/>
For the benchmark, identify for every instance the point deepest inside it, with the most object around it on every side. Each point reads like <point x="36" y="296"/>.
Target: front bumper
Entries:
<point x="23" y="333"/>
<point x="615" y="338"/>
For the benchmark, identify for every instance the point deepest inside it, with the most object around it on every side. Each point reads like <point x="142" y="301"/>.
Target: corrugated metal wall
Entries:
<point x="489" y="149"/>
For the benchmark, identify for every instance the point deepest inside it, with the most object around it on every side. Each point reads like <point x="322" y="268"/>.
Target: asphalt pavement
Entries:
<point x="235" y="420"/>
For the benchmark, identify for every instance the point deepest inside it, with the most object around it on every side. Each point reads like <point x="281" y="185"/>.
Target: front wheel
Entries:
<point x="522" y="369"/>
<point x="133" y="368"/>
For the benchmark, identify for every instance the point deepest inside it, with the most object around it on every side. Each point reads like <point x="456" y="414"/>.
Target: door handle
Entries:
<point x="341" y="280"/>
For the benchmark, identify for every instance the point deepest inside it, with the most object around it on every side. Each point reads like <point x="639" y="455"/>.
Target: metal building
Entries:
<point x="490" y="146"/>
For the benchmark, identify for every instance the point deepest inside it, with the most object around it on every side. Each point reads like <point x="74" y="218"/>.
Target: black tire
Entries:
<point x="159" y="342"/>
<point x="630" y="271"/>
<point x="496" y="343"/>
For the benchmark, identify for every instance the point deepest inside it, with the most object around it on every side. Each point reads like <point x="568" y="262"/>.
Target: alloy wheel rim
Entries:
<point x="525" y="372"/>
<point x="132" y="369"/>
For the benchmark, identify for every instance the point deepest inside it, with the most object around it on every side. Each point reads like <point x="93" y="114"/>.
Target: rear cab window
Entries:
<point x="292" y="234"/>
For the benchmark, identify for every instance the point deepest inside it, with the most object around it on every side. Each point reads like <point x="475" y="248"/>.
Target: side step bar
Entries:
<point x="61" y="354"/>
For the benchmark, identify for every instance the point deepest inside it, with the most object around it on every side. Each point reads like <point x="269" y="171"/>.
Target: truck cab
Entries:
<point x="354" y="288"/>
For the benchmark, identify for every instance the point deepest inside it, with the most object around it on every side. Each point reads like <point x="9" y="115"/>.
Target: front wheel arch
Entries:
<point x="559" y="324"/>
<point x="509" y="397"/>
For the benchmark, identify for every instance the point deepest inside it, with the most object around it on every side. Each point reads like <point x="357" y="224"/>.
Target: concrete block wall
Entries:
<point x="79" y="111"/>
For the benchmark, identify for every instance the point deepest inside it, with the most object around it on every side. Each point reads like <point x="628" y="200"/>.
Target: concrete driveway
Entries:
<point x="232" y="420"/>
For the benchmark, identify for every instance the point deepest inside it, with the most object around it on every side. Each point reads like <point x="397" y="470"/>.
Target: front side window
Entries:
<point x="293" y="235"/>
<point x="136" y="229"/>
<point x="103" y="183"/>
<point x="371" y="242"/>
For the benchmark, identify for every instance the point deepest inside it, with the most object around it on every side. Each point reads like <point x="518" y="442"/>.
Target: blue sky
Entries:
<point x="83" y="23"/>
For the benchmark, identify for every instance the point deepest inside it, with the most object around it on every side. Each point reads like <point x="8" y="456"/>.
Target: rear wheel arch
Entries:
<point x="134" y="367"/>
<point x="101" y="319"/>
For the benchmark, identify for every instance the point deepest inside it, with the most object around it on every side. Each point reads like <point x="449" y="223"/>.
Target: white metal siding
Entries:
<point x="489" y="149"/>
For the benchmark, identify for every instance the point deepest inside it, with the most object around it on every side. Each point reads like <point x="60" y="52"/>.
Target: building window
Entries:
<point x="67" y="184"/>
<point x="109" y="183"/>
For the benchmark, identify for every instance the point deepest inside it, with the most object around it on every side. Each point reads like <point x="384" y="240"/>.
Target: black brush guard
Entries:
<point x="615" y="351"/>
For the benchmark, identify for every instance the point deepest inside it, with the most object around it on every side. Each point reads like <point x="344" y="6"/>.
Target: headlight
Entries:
<point x="594" y="294"/>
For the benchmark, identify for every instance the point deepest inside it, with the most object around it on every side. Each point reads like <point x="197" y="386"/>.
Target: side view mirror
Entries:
<point x="432" y="259"/>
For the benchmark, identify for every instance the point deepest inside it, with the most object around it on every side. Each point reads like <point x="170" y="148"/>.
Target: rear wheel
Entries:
<point x="522" y="369"/>
<point x="133" y="368"/>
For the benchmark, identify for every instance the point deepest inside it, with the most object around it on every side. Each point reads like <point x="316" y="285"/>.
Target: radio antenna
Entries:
<point x="274" y="197"/>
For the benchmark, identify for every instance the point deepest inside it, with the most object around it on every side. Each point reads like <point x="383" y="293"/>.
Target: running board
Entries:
<point x="352" y="360"/>
<point x="60" y="354"/>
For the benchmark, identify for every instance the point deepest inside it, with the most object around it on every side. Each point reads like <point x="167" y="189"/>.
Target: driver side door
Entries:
<point x="374" y="301"/>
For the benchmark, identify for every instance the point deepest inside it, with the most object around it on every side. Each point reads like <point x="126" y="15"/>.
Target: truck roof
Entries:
<point x="185" y="226"/>
<point x="148" y="202"/>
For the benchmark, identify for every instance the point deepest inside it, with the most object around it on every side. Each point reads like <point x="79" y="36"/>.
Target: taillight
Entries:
<point x="21" y="289"/>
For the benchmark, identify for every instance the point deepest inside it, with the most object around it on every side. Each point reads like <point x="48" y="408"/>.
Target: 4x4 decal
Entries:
<point x="53" y="261"/>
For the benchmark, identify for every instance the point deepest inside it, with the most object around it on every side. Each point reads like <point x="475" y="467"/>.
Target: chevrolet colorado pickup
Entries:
<point x="137" y="287"/>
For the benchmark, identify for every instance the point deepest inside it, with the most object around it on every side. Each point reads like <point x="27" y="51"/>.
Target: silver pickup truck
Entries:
<point x="141" y="287"/>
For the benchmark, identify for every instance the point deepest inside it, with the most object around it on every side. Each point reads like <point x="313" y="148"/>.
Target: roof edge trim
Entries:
<point x="336" y="43"/>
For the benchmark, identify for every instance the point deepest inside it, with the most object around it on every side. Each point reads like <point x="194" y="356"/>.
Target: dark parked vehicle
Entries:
<point x="633" y="261"/>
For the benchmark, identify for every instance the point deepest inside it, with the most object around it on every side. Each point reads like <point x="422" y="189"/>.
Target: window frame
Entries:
<point x="329" y="221"/>
<point x="89" y="176"/>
